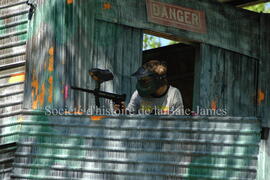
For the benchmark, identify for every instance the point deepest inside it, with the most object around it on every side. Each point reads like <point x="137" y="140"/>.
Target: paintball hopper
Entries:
<point x="101" y="75"/>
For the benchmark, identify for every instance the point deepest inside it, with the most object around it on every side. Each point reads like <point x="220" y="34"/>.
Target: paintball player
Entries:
<point x="153" y="93"/>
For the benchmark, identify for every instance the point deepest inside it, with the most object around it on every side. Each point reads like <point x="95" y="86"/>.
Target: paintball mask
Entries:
<point x="148" y="82"/>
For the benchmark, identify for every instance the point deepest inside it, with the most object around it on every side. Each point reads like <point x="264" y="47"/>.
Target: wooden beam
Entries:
<point x="263" y="99"/>
<point x="229" y="28"/>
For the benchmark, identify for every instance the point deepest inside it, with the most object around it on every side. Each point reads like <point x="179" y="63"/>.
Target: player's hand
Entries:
<point x="121" y="107"/>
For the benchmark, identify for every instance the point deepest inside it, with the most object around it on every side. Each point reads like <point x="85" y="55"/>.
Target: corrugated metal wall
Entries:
<point x="13" y="37"/>
<point x="136" y="147"/>
<point x="9" y="127"/>
<point x="7" y="152"/>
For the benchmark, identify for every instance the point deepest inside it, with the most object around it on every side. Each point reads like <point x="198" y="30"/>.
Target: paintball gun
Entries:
<point x="100" y="76"/>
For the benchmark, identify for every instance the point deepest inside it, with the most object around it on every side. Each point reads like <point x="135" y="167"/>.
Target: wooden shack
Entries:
<point x="221" y="62"/>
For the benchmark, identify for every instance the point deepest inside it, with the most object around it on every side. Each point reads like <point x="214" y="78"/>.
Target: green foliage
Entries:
<point x="260" y="8"/>
<point x="151" y="42"/>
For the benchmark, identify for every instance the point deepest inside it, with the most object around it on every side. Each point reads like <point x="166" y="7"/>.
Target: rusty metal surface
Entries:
<point x="137" y="147"/>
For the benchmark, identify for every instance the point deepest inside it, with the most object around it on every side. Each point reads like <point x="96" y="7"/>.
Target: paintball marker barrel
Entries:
<point x="116" y="98"/>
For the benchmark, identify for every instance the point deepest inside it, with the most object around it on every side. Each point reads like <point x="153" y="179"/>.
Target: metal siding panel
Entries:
<point x="8" y="135"/>
<point x="13" y="29"/>
<point x="13" y="37"/>
<point x="137" y="147"/>
<point x="7" y="152"/>
<point x="263" y="160"/>
<point x="8" y="127"/>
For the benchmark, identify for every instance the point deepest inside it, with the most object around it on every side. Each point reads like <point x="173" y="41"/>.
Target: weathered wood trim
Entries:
<point x="264" y="71"/>
<point x="197" y="74"/>
<point x="228" y="27"/>
<point x="222" y="80"/>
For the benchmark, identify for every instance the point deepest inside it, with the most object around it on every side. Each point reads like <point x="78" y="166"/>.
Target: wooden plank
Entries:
<point x="224" y="82"/>
<point x="242" y="84"/>
<point x="263" y="97"/>
<point x="77" y="43"/>
<point x="71" y="55"/>
<point x="264" y="72"/>
<point x="56" y="39"/>
<point x="119" y="49"/>
<point x="41" y="58"/>
<point x="228" y="27"/>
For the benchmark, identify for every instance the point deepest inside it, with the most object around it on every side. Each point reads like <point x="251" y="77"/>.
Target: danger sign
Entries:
<point x="176" y="16"/>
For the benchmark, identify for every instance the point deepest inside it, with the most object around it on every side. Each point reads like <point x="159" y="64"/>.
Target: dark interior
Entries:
<point x="180" y="60"/>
